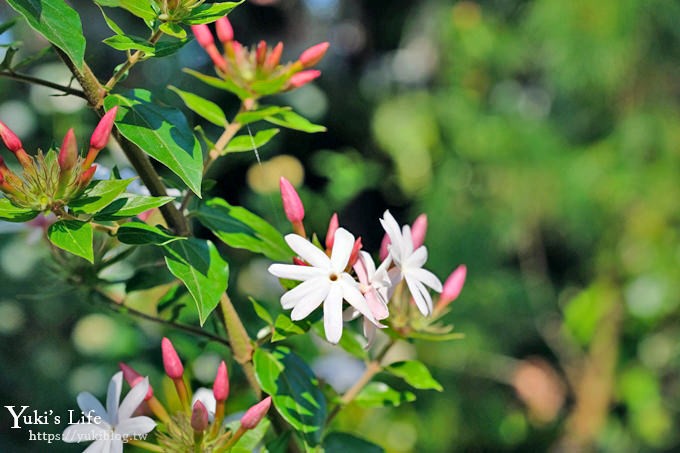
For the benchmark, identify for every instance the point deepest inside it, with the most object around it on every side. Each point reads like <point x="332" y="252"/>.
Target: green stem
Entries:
<point x="241" y="345"/>
<point x="131" y="61"/>
<point x="36" y="81"/>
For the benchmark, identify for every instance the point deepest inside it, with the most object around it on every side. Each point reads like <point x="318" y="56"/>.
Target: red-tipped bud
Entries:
<point x="274" y="57"/>
<point x="332" y="228"/>
<point x="303" y="78"/>
<point x="354" y="256"/>
<point x="299" y="261"/>
<point x="418" y="230"/>
<point x="221" y="384"/>
<point x="216" y="57"/>
<point x="86" y="176"/>
<point x="313" y="55"/>
<point x="261" y="53"/>
<point x="133" y="378"/>
<point x="68" y="154"/>
<point x="199" y="417"/>
<point x="384" y="247"/>
<point x="203" y="35"/>
<point x="102" y="133"/>
<point x="10" y="139"/>
<point x="255" y="414"/>
<point x="171" y="362"/>
<point x="225" y="32"/>
<point x="292" y="204"/>
<point x="452" y="286"/>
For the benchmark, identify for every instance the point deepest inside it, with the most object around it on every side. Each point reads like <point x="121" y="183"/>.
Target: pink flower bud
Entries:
<point x="299" y="261"/>
<point x="171" y="362"/>
<point x="86" y="176"/>
<point x="354" y="256"/>
<point x="261" y="53"/>
<point x="225" y="32"/>
<point x="68" y="154"/>
<point x="452" y="286"/>
<point x="384" y="247"/>
<point x="313" y="55"/>
<point x="10" y="139"/>
<point x="255" y="414"/>
<point x="292" y="205"/>
<point x="101" y="134"/>
<point x="274" y="57"/>
<point x="221" y="384"/>
<point x="418" y="230"/>
<point x="216" y="57"/>
<point x="303" y="78"/>
<point x="203" y="35"/>
<point x="332" y="228"/>
<point x="199" y="417"/>
<point x="133" y="378"/>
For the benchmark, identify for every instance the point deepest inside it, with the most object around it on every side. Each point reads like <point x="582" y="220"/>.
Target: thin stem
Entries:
<point x="36" y="81"/>
<point x="242" y="347"/>
<point x="131" y="61"/>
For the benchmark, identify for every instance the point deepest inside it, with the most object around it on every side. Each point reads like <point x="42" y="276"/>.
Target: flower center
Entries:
<point x="334" y="277"/>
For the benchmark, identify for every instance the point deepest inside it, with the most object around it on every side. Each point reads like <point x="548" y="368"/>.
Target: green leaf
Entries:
<point x="140" y="233"/>
<point x="240" y="228"/>
<point x="338" y="442"/>
<point x="57" y="22"/>
<point x="73" y="236"/>
<point x="415" y="374"/>
<point x="222" y="84"/>
<point x="202" y="107"/>
<point x="435" y="336"/>
<point x="202" y="270"/>
<point x="139" y="8"/>
<point x="7" y="25"/>
<point x="244" y="118"/>
<point x="379" y="394"/>
<point x="270" y="86"/>
<point x="148" y="277"/>
<point x="129" y="205"/>
<point x="98" y="195"/>
<point x="120" y="42"/>
<point x="208" y="13"/>
<point x="350" y="341"/>
<point x="249" y="142"/>
<point x="291" y="120"/>
<point x="173" y="29"/>
<point x="284" y="327"/>
<point x="261" y="312"/>
<point x="12" y="213"/>
<point x="279" y="444"/>
<point x="111" y="24"/>
<point x="162" y="132"/>
<point x="294" y="390"/>
<point x="252" y="438"/>
<point x="165" y="48"/>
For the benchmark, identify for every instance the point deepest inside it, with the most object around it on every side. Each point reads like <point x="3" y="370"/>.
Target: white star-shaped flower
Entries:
<point x="323" y="281"/>
<point x="109" y="427"/>
<point x="409" y="264"/>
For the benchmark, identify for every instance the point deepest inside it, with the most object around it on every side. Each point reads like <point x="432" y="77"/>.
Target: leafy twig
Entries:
<point x="37" y="81"/>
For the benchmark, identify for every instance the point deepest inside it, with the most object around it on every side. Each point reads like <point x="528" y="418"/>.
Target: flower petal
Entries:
<point x="351" y="294"/>
<point x="392" y="229"/>
<point x="305" y="290"/>
<point x="84" y="432"/>
<point x="427" y="277"/>
<point x="113" y="397"/>
<point x="332" y="313"/>
<point x="135" y="426"/>
<point x="342" y="249"/>
<point x="91" y="405"/>
<point x="295" y="272"/>
<point x="377" y="307"/>
<point x="417" y="259"/>
<point x="310" y="302"/>
<point x="308" y="251"/>
<point x="132" y="400"/>
<point x="418" y="297"/>
<point x="408" y="240"/>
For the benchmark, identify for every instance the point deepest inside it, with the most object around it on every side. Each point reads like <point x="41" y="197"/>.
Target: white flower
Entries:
<point x="109" y="427"/>
<point x="409" y="263"/>
<point x="324" y="281"/>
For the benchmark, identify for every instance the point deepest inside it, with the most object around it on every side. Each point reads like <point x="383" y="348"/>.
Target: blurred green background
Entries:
<point x="541" y="138"/>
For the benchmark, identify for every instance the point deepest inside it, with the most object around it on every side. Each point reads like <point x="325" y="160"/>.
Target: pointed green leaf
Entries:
<point x="261" y="312"/>
<point x="263" y="112"/>
<point x="173" y="29"/>
<point x="415" y="374"/>
<point x="202" y="107"/>
<point x="129" y="205"/>
<point x="98" y="195"/>
<point x="166" y="48"/>
<point x="284" y="327"/>
<point x="12" y="213"/>
<point x="57" y="22"/>
<point x="140" y="233"/>
<point x="292" y="120"/>
<point x="251" y="439"/>
<point x="128" y="42"/>
<point x="149" y="277"/>
<point x="249" y="142"/>
<point x="161" y="132"/>
<point x="208" y="13"/>
<point x="338" y="442"/>
<point x="198" y="264"/>
<point x="73" y="236"/>
<point x="240" y="228"/>
<point x="222" y="84"/>
<point x="139" y="8"/>
<point x="379" y="394"/>
<point x="294" y="390"/>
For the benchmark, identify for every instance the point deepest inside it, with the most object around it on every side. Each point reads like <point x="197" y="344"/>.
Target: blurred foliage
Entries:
<point x="540" y="137"/>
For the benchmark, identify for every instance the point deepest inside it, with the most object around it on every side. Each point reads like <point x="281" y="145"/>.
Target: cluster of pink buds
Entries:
<point x="51" y="180"/>
<point x="257" y="71"/>
<point x="195" y="426"/>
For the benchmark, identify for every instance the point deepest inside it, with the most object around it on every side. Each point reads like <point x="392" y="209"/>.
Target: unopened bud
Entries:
<point x="86" y="176"/>
<point x="332" y="228"/>
<point x="10" y="139"/>
<point x="68" y="154"/>
<point x="255" y="414"/>
<point x="452" y="286"/>
<point x="261" y="53"/>
<point x="299" y="261"/>
<point x="418" y="230"/>
<point x="203" y="35"/>
<point x="221" y="384"/>
<point x="303" y="78"/>
<point x="199" y="417"/>
<point x="274" y="57"/>
<point x="292" y="205"/>
<point x="102" y="133"/>
<point x="171" y="362"/>
<point x="133" y="378"/>
<point x="313" y="55"/>
<point x="354" y="256"/>
<point x="225" y="32"/>
<point x="384" y="247"/>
